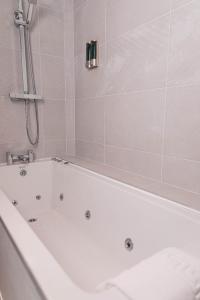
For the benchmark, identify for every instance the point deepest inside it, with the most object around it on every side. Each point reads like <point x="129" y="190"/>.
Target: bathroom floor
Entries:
<point x="86" y="263"/>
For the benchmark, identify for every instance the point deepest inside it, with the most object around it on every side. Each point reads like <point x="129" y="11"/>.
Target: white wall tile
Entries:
<point x="71" y="147"/>
<point x="90" y="151"/>
<point x="139" y="162"/>
<point x="184" y="64"/>
<point x="125" y="15"/>
<point x="182" y="173"/>
<point x="135" y="120"/>
<point x="54" y="120"/>
<point x="55" y="148"/>
<point x="90" y="120"/>
<point x="53" y="77"/>
<point x="51" y="32"/>
<point x="6" y="24"/>
<point x="138" y="59"/>
<point x="7" y="81"/>
<point x="182" y="133"/>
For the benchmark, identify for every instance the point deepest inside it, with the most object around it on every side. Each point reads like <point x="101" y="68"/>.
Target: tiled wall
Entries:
<point x="52" y="43"/>
<point x="140" y="111"/>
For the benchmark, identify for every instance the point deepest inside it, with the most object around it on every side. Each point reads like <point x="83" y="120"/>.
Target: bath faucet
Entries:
<point x="20" y="158"/>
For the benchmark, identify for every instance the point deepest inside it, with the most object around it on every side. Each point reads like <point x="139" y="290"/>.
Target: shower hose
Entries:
<point x="34" y="140"/>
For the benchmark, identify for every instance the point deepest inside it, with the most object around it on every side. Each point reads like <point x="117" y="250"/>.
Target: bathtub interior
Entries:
<point x="90" y="246"/>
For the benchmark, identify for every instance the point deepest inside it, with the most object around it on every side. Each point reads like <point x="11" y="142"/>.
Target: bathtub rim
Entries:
<point x="86" y="166"/>
<point x="105" y="177"/>
<point x="153" y="198"/>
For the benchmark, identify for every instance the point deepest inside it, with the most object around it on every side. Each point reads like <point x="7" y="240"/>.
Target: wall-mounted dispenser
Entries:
<point x="88" y="54"/>
<point x="91" y="55"/>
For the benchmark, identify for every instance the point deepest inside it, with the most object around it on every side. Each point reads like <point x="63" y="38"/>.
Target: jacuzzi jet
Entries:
<point x="88" y="214"/>
<point x="15" y="203"/>
<point x="129" y="244"/>
<point x="32" y="220"/>
<point x="61" y="197"/>
<point x="23" y="172"/>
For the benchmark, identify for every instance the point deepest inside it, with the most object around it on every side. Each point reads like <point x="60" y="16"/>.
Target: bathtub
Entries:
<point x="65" y="229"/>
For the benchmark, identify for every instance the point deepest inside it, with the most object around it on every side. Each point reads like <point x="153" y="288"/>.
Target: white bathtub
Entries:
<point x="78" y="239"/>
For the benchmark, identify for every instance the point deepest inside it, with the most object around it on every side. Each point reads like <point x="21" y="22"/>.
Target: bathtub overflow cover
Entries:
<point x="14" y="202"/>
<point x="129" y="244"/>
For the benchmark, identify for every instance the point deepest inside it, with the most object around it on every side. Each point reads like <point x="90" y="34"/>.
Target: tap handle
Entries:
<point x="31" y="155"/>
<point x="9" y="159"/>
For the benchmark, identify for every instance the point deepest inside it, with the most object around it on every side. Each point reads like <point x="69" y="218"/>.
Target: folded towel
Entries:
<point x="169" y="275"/>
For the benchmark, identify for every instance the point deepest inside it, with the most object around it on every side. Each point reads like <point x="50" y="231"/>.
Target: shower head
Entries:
<point x="32" y="4"/>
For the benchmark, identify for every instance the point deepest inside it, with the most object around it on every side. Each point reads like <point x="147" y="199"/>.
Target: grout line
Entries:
<point x="133" y="149"/>
<point x="120" y="94"/>
<point x="165" y="95"/>
<point x="51" y="55"/>
<point x="54" y="140"/>
<point x="139" y="91"/>
<point x="41" y="86"/>
<point x="74" y="83"/>
<point x="71" y="101"/>
<point x="104" y="132"/>
<point x="117" y="147"/>
<point x="106" y="61"/>
<point x="152" y="180"/>
<point x="139" y="150"/>
<point x="180" y="188"/>
<point x="182" y="158"/>
<point x="182" y="5"/>
<point x="65" y="75"/>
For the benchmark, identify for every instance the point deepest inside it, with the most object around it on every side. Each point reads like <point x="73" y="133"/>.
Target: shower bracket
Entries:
<point x="31" y="97"/>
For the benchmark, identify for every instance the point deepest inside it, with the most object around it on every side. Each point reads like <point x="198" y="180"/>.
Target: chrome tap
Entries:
<point x="20" y="158"/>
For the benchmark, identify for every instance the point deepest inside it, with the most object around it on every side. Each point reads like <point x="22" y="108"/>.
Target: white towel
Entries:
<point x="169" y="275"/>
